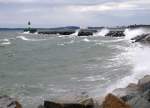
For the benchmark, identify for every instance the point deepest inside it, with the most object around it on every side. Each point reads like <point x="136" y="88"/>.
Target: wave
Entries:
<point x="86" y="40"/>
<point x="5" y="41"/>
<point x="23" y="38"/>
<point x="1" y="40"/>
<point x="139" y="58"/>
<point x="76" y="33"/>
<point x="102" y="32"/>
<point x="27" y="32"/>
<point x="131" y="33"/>
<point x="27" y="39"/>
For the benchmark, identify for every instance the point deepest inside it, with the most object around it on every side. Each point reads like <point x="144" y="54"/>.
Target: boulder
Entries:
<point x="141" y="101"/>
<point x="111" y="101"/>
<point x="88" y="103"/>
<point x="86" y="32"/>
<point x="142" y="38"/>
<point x="7" y="102"/>
<point x="30" y="30"/>
<point x="115" y="33"/>
<point x="127" y="93"/>
<point x="144" y="83"/>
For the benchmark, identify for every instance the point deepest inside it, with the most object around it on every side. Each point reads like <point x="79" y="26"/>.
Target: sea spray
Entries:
<point x="28" y="39"/>
<point x="131" y="33"/>
<point x="76" y="33"/>
<point x="138" y="56"/>
<point x="86" y="40"/>
<point x="102" y="32"/>
<point x="23" y="38"/>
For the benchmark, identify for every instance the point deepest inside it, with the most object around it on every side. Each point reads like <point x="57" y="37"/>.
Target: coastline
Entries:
<point x="135" y="95"/>
<point x="126" y="96"/>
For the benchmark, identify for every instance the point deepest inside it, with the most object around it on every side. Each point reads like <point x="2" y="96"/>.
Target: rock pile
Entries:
<point x="142" y="38"/>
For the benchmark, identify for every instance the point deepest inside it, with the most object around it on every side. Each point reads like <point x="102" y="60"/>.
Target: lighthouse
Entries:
<point x="29" y="25"/>
<point x="29" y="29"/>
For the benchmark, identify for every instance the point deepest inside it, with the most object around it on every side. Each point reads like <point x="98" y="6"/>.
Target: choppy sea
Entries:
<point x="35" y="67"/>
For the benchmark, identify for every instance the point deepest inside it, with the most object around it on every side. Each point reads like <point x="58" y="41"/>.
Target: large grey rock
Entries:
<point x="7" y="102"/>
<point x="141" y="101"/>
<point x="86" y="32"/>
<point x="144" y="38"/>
<point x="144" y="83"/>
<point x="127" y="93"/>
<point x="88" y="103"/>
<point x="115" y="33"/>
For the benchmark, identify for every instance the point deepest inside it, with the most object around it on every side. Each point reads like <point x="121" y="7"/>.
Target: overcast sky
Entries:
<point x="54" y="13"/>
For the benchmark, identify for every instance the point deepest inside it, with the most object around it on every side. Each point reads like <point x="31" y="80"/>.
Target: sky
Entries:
<point x="83" y="13"/>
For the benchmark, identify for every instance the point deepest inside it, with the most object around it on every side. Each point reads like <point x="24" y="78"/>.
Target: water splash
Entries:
<point x="138" y="56"/>
<point x="131" y="33"/>
<point x="76" y="33"/>
<point x="102" y="32"/>
<point x="23" y="38"/>
<point x="86" y="40"/>
<point x="28" y="39"/>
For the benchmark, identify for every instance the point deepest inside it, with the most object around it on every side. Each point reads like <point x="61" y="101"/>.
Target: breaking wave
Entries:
<point x="28" y="39"/>
<point x="102" y="32"/>
<point x="131" y="33"/>
<point x="76" y="33"/>
<point x="5" y="42"/>
<point x="138" y="56"/>
<point x="86" y="40"/>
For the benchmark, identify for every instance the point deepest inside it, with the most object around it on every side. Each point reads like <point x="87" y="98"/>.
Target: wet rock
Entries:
<point x="144" y="83"/>
<point x="86" y="32"/>
<point x="30" y="30"/>
<point x="7" y="102"/>
<point x="142" y="38"/>
<point x="141" y="101"/>
<point x="112" y="101"/>
<point x="62" y="32"/>
<point x="88" y="103"/>
<point x="127" y="93"/>
<point x="115" y="33"/>
<point x="40" y="106"/>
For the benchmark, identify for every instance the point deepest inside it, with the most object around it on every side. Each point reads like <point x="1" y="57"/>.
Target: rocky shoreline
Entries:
<point x="135" y="95"/>
<point x="132" y="96"/>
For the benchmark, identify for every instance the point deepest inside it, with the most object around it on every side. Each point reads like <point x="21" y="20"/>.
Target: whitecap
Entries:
<point x="102" y="32"/>
<point x="131" y="33"/>
<point x="23" y="38"/>
<point x="27" y="32"/>
<point x="6" y="43"/>
<point x="76" y="33"/>
<point x="92" y="78"/>
<point x="28" y="39"/>
<point x="140" y="60"/>
<point x="86" y="40"/>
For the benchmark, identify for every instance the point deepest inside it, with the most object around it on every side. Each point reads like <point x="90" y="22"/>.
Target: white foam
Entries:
<point x="131" y="33"/>
<point x="4" y="39"/>
<point x="27" y="39"/>
<point x="27" y="32"/>
<point x="140" y="60"/>
<point x="36" y="33"/>
<point x="76" y="33"/>
<point x="86" y="40"/>
<point x="102" y="32"/>
<point x="6" y="43"/>
<point x="92" y="78"/>
<point x="23" y="38"/>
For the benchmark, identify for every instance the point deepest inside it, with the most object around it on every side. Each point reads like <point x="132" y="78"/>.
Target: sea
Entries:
<point x="36" y="67"/>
